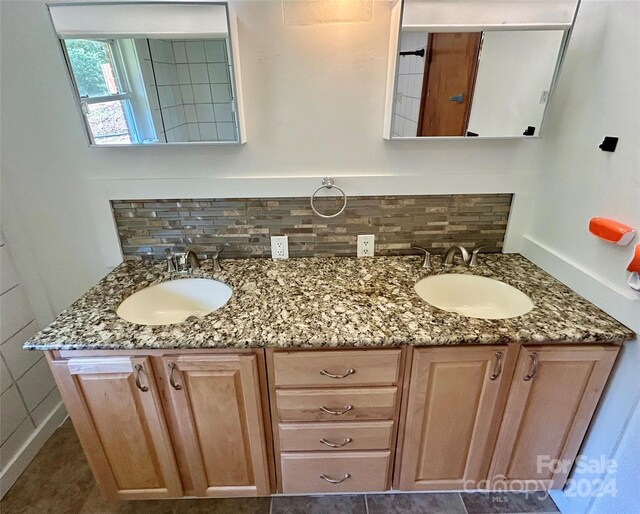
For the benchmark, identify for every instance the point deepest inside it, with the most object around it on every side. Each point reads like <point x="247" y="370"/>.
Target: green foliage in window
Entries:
<point x="87" y="58"/>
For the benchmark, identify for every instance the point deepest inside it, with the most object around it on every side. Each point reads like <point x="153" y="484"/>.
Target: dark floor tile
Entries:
<point x="224" y="506"/>
<point x="318" y="505"/>
<point x="419" y="503"/>
<point x="508" y="503"/>
<point x="58" y="479"/>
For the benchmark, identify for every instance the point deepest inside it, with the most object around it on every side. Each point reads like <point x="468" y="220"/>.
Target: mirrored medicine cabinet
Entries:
<point x="153" y="73"/>
<point x="481" y="69"/>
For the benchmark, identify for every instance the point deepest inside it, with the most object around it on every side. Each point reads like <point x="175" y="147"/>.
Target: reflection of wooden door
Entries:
<point x="447" y="87"/>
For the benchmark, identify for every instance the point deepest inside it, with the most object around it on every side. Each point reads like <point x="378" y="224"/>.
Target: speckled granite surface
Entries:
<point x="329" y="302"/>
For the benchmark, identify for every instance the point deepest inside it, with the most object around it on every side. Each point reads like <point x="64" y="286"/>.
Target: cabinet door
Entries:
<point x="116" y="411"/>
<point x="553" y="395"/>
<point x="451" y="416"/>
<point x="216" y="399"/>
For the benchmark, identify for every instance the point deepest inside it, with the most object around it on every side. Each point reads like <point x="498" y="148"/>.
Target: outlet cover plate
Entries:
<point x="366" y="245"/>
<point x="279" y="247"/>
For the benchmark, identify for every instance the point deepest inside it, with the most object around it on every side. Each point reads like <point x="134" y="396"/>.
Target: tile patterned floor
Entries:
<point x="59" y="481"/>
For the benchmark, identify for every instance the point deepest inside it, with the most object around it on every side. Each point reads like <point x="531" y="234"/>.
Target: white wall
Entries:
<point x="598" y="94"/>
<point x="30" y="405"/>
<point x="314" y="98"/>
<point x="515" y="69"/>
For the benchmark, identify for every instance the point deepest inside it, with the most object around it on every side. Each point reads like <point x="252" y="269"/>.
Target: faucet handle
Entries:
<point x="216" y="262"/>
<point x="426" y="263"/>
<point x="473" y="261"/>
<point x="171" y="261"/>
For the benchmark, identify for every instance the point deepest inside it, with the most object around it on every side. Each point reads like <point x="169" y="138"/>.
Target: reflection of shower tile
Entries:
<point x="187" y="94"/>
<point x="223" y="112"/>
<point x="202" y="93"/>
<point x="220" y="92"/>
<point x="179" y="52"/>
<point x="204" y="112"/>
<point x="215" y="51"/>
<point x="199" y="73"/>
<point x="183" y="74"/>
<point x="218" y="73"/>
<point x="190" y="113"/>
<point x="208" y="131"/>
<point x="194" y="133"/>
<point x="195" y="51"/>
<point x="226" y="131"/>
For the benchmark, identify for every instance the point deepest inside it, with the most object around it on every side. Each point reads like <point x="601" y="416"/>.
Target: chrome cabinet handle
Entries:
<point x="138" y="368"/>
<point x="172" y="366"/>
<point x="498" y="369"/>
<point x="336" y="412"/>
<point x="346" y="440"/>
<point x="534" y="366"/>
<point x="335" y="480"/>
<point x="350" y="371"/>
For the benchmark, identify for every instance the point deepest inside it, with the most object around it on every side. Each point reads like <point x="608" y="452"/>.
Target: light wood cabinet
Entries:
<point x="216" y="402"/>
<point x="554" y="393"/>
<point x="116" y="411"/>
<point x="452" y="411"/>
<point x="164" y="424"/>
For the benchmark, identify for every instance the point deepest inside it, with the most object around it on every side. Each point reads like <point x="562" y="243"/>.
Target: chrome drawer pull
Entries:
<point x="350" y="371"/>
<point x="498" y="369"/>
<point x="534" y="367"/>
<point x="172" y="366"/>
<point x="138" y="368"/>
<point x="334" y="480"/>
<point x="336" y="412"/>
<point x="347" y="440"/>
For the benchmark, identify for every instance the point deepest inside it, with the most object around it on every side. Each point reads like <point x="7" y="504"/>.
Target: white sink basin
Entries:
<point x="174" y="301"/>
<point x="473" y="296"/>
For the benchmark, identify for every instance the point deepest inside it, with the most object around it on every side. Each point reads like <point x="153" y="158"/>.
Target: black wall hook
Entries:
<point x="609" y="144"/>
<point x="419" y="53"/>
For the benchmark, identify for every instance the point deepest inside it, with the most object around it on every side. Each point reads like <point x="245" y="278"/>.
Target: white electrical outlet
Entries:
<point x="366" y="245"/>
<point x="280" y="247"/>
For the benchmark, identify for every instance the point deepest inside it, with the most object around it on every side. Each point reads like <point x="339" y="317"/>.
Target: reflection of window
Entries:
<point x="104" y="90"/>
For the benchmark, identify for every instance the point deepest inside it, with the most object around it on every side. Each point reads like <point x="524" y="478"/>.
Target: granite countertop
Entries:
<point x="329" y="302"/>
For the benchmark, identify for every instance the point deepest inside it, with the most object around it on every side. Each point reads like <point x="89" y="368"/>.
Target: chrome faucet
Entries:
<point x="426" y="262"/>
<point x="181" y="262"/>
<point x="216" y="261"/>
<point x="191" y="260"/>
<point x="473" y="261"/>
<point x="451" y="253"/>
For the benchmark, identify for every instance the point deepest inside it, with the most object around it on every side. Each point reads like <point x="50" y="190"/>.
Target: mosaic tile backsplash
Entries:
<point x="244" y="225"/>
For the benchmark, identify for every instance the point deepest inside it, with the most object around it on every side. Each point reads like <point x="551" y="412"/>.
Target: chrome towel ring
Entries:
<point x="328" y="183"/>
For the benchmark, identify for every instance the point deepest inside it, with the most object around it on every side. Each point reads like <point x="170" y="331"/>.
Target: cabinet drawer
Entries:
<point x="342" y="435"/>
<point x="336" y="404"/>
<point x="336" y="368"/>
<point x="355" y="472"/>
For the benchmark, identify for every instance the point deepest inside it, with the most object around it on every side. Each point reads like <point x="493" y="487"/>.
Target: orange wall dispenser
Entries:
<point x="611" y="231"/>
<point x="634" y="265"/>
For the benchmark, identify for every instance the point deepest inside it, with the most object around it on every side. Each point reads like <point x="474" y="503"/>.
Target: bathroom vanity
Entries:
<point x="324" y="375"/>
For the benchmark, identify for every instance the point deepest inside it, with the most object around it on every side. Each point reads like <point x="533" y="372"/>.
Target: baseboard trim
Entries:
<point x="16" y="466"/>
<point x="615" y="300"/>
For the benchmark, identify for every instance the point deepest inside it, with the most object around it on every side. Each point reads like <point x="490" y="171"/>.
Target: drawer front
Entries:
<point x="336" y="404"/>
<point x="336" y="368"/>
<point x="343" y="435"/>
<point x="355" y="472"/>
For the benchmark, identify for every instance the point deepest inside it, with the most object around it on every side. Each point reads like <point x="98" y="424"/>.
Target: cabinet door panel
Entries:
<point x="117" y="413"/>
<point x="452" y="405"/>
<point x="217" y="404"/>
<point x="547" y="414"/>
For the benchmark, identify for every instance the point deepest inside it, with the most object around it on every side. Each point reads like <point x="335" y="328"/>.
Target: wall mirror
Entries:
<point x="483" y="69"/>
<point x="153" y="73"/>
